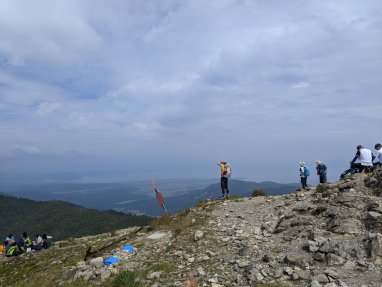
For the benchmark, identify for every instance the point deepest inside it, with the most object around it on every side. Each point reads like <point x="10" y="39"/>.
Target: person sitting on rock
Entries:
<point x="321" y="171"/>
<point x="378" y="155"/>
<point x="46" y="242"/>
<point x="11" y="249"/>
<point x="37" y="242"/>
<point x="24" y="242"/>
<point x="364" y="159"/>
<point x="10" y="239"/>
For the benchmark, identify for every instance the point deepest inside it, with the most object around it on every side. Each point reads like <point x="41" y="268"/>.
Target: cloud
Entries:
<point x="190" y="79"/>
<point x="28" y="149"/>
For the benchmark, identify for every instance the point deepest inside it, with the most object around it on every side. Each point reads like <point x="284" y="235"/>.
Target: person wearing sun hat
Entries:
<point x="321" y="171"/>
<point x="304" y="173"/>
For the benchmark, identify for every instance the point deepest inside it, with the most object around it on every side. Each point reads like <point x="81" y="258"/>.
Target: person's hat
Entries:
<point x="302" y="163"/>
<point x="359" y="146"/>
<point x="318" y="162"/>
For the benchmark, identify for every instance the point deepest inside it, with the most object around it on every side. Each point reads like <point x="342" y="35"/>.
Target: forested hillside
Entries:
<point x="60" y="219"/>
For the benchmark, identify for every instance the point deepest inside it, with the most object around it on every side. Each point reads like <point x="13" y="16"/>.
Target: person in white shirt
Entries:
<point x="364" y="159"/>
<point x="378" y="155"/>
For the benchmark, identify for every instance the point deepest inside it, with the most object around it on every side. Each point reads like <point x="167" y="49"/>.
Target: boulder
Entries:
<point x="96" y="262"/>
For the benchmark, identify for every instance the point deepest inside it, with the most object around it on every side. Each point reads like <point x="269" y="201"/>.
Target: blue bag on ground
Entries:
<point x="111" y="260"/>
<point x="128" y="248"/>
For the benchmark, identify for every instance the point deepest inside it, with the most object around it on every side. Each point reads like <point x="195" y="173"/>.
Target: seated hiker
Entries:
<point x="46" y="241"/>
<point x="11" y="249"/>
<point x="363" y="159"/>
<point x="321" y="171"/>
<point x="38" y="242"/>
<point x="24" y="242"/>
<point x="10" y="238"/>
<point x="378" y="155"/>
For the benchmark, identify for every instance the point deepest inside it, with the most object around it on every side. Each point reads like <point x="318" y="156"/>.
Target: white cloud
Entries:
<point x="28" y="149"/>
<point x="300" y="85"/>
<point x="117" y="77"/>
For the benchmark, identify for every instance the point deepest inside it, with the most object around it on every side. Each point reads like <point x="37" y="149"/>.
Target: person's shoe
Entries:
<point x="227" y="196"/>
<point x="222" y="197"/>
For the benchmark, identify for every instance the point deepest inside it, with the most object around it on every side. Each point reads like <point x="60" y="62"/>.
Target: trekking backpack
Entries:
<point x="228" y="170"/>
<point x="306" y="171"/>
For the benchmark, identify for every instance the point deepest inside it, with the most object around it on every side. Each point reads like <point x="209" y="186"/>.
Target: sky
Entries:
<point x="125" y="90"/>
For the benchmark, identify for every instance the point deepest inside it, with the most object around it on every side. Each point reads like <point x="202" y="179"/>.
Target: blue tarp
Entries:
<point x="111" y="260"/>
<point x="128" y="248"/>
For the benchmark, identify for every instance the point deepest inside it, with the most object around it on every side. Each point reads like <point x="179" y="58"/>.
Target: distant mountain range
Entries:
<point x="138" y="197"/>
<point x="59" y="219"/>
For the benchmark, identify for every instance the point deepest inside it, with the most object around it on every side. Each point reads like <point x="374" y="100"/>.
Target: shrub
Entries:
<point x="127" y="279"/>
<point x="258" y="192"/>
<point x="322" y="187"/>
<point x="164" y="220"/>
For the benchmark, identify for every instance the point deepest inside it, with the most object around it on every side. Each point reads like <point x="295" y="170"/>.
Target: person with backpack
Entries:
<point x="46" y="241"/>
<point x="304" y="173"/>
<point x="363" y="159"/>
<point x="321" y="171"/>
<point x="24" y="243"/>
<point x="378" y="155"/>
<point x="225" y="174"/>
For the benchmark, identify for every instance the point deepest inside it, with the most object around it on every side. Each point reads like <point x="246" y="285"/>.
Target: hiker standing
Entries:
<point x="321" y="171"/>
<point x="378" y="155"/>
<point x="225" y="173"/>
<point x="304" y="173"/>
<point x="364" y="157"/>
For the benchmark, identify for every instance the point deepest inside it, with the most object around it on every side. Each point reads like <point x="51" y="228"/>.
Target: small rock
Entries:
<point x="243" y="264"/>
<point x="315" y="283"/>
<point x="105" y="274"/>
<point x="288" y="270"/>
<point x="322" y="278"/>
<point x="154" y="275"/>
<point x="374" y="215"/>
<point x="156" y="235"/>
<point x="96" y="262"/>
<point x="198" y="235"/>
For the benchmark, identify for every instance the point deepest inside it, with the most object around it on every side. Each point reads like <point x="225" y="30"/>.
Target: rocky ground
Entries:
<point x="330" y="235"/>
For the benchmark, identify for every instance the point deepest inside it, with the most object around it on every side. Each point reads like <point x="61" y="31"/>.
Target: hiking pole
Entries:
<point x="160" y="198"/>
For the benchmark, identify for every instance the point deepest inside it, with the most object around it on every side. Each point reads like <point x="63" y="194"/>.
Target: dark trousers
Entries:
<point x="303" y="181"/>
<point x="361" y="167"/>
<point x="323" y="178"/>
<point x="224" y="185"/>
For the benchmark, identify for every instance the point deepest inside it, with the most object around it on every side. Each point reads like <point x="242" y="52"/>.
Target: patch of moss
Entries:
<point x="127" y="279"/>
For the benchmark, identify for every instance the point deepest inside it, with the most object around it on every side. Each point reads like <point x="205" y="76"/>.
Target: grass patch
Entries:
<point x="127" y="279"/>
<point x="259" y="284"/>
<point x="179" y="222"/>
<point x="378" y="191"/>
<point x="321" y="188"/>
<point x="165" y="267"/>
<point x="318" y="210"/>
<point x="235" y="197"/>
<point x="158" y="222"/>
<point x="258" y="192"/>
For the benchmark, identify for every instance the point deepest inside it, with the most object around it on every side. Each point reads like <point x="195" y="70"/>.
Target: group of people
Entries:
<point x="364" y="159"/>
<point x="321" y="169"/>
<point x="25" y="244"/>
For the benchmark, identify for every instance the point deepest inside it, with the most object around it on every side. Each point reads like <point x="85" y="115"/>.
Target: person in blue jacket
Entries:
<point x="304" y="173"/>
<point x="322" y="171"/>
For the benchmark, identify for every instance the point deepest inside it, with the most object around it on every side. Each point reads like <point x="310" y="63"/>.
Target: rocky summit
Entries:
<point x="329" y="235"/>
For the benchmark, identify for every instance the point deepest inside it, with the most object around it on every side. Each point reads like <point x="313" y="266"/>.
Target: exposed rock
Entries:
<point x="198" y="235"/>
<point x="96" y="262"/>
